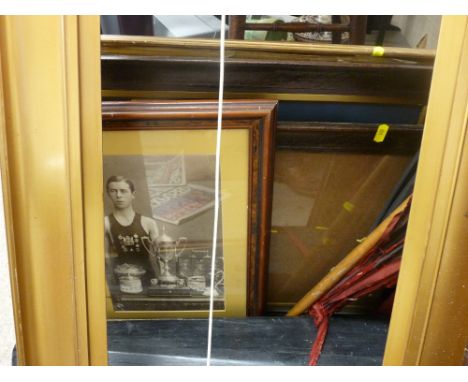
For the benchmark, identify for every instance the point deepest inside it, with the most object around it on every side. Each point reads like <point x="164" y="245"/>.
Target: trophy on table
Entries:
<point x="166" y="251"/>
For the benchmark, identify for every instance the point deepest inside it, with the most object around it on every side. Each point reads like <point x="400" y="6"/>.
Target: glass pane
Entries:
<point x="290" y="209"/>
<point x="159" y="223"/>
<point x="323" y="203"/>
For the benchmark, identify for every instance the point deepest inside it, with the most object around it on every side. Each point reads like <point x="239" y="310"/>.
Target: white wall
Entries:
<point x="414" y="28"/>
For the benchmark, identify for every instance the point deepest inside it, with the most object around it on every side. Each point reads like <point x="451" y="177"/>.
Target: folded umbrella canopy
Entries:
<point x="376" y="268"/>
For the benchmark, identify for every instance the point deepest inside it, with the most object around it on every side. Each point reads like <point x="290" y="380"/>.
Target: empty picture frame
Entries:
<point x="331" y="181"/>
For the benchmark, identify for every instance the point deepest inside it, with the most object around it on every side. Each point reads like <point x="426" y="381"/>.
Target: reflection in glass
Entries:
<point x="414" y="31"/>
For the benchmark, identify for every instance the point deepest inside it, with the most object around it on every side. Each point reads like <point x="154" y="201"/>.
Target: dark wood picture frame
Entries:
<point x="347" y="137"/>
<point x="151" y="67"/>
<point x="258" y="117"/>
<point x="330" y="138"/>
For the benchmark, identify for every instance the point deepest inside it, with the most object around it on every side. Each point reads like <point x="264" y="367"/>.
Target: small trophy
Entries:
<point x="167" y="251"/>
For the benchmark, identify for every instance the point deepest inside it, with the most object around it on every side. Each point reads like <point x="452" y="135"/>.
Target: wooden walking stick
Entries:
<point x="337" y="272"/>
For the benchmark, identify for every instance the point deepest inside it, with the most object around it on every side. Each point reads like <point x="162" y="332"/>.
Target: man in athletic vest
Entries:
<point x="124" y="229"/>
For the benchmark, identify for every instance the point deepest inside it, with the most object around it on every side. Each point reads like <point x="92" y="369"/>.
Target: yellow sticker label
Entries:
<point x="348" y="206"/>
<point x="378" y="51"/>
<point x="381" y="133"/>
<point x="321" y="228"/>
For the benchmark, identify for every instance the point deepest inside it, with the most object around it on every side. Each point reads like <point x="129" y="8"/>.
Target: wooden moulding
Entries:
<point x="50" y="135"/>
<point x="429" y="323"/>
<point x="259" y="118"/>
<point x="149" y="45"/>
<point x="132" y="66"/>
<point x="349" y="137"/>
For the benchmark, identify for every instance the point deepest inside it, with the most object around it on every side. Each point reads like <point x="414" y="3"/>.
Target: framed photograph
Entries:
<point x="159" y="182"/>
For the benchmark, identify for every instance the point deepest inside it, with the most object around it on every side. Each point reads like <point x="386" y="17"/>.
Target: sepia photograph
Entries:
<point x="158" y="232"/>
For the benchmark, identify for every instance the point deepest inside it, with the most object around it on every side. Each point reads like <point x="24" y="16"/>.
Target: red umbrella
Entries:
<point x="377" y="269"/>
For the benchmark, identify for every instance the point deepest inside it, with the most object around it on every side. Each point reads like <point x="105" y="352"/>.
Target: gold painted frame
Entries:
<point x="429" y="318"/>
<point x="429" y="323"/>
<point x="52" y="186"/>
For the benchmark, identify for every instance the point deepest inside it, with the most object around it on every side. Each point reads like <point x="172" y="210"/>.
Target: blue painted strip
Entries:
<point x="346" y="112"/>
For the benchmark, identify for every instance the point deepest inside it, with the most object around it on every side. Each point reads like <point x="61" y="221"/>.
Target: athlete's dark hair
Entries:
<point x="119" y="178"/>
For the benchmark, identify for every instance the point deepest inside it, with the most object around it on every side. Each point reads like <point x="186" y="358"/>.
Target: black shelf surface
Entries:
<point x="266" y="341"/>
